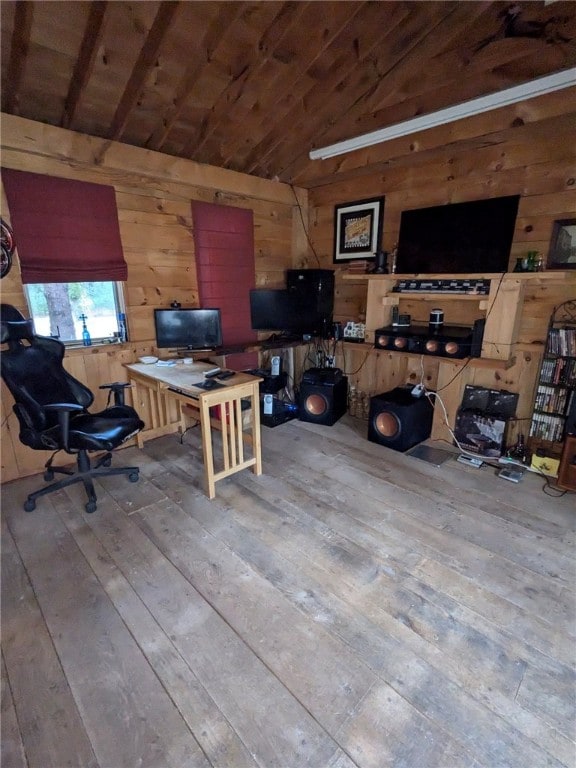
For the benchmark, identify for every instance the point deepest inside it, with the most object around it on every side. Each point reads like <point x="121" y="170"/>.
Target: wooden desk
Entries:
<point x="157" y="389"/>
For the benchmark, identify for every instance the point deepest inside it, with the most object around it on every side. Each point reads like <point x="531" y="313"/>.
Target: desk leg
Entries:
<point x="256" y="442"/>
<point x="206" y="428"/>
<point x="135" y="401"/>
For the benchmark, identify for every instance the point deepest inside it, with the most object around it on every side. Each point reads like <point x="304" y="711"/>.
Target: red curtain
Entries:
<point x="65" y="231"/>
<point x="224" y="247"/>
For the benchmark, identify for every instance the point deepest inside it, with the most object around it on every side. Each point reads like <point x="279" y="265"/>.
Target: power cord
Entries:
<point x="192" y="426"/>
<point x="546" y="488"/>
<point x="304" y="227"/>
<point x="469" y="360"/>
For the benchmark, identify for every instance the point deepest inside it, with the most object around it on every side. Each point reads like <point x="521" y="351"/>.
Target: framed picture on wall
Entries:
<point x="358" y="229"/>
<point x="562" y="253"/>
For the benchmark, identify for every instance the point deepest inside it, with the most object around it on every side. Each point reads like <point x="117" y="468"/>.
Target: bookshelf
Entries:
<point x="555" y="396"/>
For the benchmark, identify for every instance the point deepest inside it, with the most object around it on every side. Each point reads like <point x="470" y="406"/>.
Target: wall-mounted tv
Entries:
<point x="285" y="312"/>
<point x="188" y="328"/>
<point x="472" y="237"/>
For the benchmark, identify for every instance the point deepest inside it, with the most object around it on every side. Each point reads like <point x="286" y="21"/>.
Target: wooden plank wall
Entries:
<point x="538" y="162"/>
<point x="153" y="193"/>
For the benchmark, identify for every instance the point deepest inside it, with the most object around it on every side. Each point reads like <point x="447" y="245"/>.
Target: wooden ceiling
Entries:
<point x="253" y="86"/>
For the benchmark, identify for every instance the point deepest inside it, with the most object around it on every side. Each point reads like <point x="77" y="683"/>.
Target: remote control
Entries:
<point x="212" y="372"/>
<point x="514" y="475"/>
<point x="225" y="375"/>
<point x="471" y="461"/>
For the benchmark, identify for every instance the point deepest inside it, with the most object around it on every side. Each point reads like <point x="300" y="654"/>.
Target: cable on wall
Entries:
<point x="304" y="227"/>
<point x="469" y="360"/>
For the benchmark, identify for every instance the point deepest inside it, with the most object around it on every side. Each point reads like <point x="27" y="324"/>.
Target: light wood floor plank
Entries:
<point x="341" y="507"/>
<point x="40" y="690"/>
<point x="484" y="664"/>
<point x="128" y="716"/>
<point x="214" y="733"/>
<point x="234" y="676"/>
<point x="12" y="749"/>
<point x="352" y="607"/>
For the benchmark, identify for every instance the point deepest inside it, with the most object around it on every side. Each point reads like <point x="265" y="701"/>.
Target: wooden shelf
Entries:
<point x="551" y="274"/>
<point x="437" y="297"/>
<point x="473" y="362"/>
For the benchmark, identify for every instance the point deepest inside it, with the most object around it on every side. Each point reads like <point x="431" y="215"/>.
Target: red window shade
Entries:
<point x="224" y="246"/>
<point x="65" y="231"/>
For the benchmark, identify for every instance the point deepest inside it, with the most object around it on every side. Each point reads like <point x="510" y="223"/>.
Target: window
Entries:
<point x="65" y="309"/>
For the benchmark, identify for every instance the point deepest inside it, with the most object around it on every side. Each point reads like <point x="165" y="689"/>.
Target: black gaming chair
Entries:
<point x="51" y="406"/>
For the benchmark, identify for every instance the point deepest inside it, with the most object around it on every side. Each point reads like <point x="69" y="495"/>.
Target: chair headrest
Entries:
<point x="16" y="330"/>
<point x="8" y="312"/>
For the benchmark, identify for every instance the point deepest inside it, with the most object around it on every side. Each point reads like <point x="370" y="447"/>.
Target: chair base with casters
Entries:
<point x="85" y="473"/>
<point x="52" y="410"/>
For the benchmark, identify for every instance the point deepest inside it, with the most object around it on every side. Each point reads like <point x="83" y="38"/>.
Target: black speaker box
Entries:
<point x="399" y="420"/>
<point x="477" y="338"/>
<point x="322" y="376"/>
<point x="323" y="402"/>
<point x="452" y="341"/>
<point x="314" y="286"/>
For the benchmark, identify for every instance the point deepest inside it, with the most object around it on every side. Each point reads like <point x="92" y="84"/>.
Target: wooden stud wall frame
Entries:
<point x="358" y="229"/>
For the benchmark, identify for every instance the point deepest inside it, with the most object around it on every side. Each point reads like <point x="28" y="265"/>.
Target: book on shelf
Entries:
<point x="359" y="266"/>
<point x="547" y="427"/>
<point x="562" y="341"/>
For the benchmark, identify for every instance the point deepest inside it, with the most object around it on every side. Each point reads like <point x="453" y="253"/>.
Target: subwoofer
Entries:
<point x="399" y="420"/>
<point x="567" y="468"/>
<point x="323" y="401"/>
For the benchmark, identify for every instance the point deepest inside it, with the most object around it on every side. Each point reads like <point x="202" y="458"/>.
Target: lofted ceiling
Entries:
<point x="254" y="86"/>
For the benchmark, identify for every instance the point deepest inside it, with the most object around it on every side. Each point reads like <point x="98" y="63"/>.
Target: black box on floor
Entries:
<point x="281" y="411"/>
<point x="481" y="433"/>
<point x="269" y="384"/>
<point x="482" y="420"/>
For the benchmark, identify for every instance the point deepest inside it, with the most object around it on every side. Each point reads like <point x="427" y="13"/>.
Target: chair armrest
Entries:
<point x="117" y="388"/>
<point x="64" y="410"/>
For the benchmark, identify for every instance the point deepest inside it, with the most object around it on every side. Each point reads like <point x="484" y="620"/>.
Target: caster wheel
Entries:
<point x="133" y="477"/>
<point x="48" y="475"/>
<point x="91" y="506"/>
<point x="29" y="505"/>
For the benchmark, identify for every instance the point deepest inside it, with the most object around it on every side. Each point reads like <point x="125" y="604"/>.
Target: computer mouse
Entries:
<point x="209" y="384"/>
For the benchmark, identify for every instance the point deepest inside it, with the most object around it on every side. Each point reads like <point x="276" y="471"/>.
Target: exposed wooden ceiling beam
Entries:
<point x="19" y="45"/>
<point x="228" y="13"/>
<point x="312" y="49"/>
<point x="348" y="73"/>
<point x="146" y="60"/>
<point x="290" y="14"/>
<point x="85" y="61"/>
<point x="292" y="156"/>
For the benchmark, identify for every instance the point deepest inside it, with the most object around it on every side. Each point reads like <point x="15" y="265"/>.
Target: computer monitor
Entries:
<point x="188" y="328"/>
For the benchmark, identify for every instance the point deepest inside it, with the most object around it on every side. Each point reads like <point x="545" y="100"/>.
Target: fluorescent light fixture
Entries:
<point x="528" y="90"/>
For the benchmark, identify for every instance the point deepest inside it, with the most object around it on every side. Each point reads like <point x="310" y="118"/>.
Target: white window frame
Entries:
<point x="118" y="289"/>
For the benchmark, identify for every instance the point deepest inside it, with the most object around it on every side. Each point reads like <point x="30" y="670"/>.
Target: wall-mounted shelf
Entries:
<point x="502" y="307"/>
<point x="474" y="362"/>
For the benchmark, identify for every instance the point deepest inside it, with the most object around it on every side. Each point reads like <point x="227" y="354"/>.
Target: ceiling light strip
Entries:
<point x="504" y="98"/>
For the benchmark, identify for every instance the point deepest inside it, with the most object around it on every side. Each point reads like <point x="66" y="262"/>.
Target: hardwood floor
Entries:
<point x="352" y="606"/>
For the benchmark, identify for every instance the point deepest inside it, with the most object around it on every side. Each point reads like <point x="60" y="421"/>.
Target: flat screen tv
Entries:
<point x="286" y="313"/>
<point x="188" y="328"/>
<point x="473" y="237"/>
